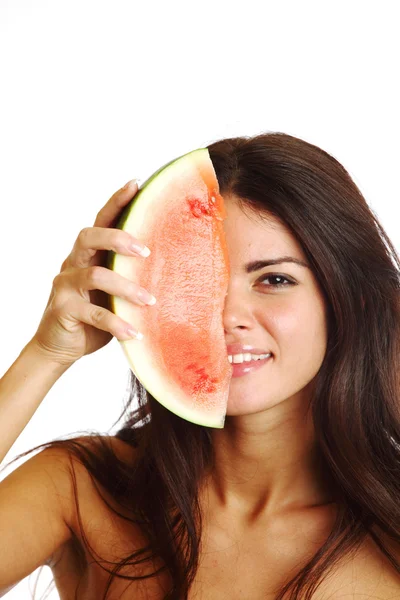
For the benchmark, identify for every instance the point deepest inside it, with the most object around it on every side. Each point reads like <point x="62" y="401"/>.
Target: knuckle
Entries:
<point x="95" y="274"/>
<point x="83" y="235"/>
<point x="59" y="303"/>
<point x="97" y="315"/>
<point x="57" y="281"/>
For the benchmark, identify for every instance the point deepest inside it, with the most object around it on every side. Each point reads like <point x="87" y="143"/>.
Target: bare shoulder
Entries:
<point x="365" y="575"/>
<point x="82" y="494"/>
<point x="81" y="483"/>
<point x="122" y="450"/>
<point x="35" y="511"/>
<point x="97" y="528"/>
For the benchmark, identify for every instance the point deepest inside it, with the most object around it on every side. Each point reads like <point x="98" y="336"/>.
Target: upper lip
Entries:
<point x="245" y="348"/>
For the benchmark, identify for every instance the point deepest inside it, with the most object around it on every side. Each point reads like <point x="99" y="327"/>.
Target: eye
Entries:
<point x="280" y="278"/>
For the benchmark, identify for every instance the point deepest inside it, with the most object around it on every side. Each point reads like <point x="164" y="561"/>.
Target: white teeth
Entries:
<point x="247" y="357"/>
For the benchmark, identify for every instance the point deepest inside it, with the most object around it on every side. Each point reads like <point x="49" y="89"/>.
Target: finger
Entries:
<point x="99" y="317"/>
<point x="100" y="278"/>
<point x="109" y="213"/>
<point x="92" y="239"/>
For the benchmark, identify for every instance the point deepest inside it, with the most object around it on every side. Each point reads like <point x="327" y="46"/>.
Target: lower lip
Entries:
<point x="244" y="368"/>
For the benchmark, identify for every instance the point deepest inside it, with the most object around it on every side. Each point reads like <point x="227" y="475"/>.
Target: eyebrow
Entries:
<point x="260" y="264"/>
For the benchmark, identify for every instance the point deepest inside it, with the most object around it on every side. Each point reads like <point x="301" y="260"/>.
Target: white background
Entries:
<point x="94" y="93"/>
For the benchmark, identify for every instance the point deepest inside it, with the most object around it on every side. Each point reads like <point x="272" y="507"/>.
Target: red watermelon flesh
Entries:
<point x="182" y="360"/>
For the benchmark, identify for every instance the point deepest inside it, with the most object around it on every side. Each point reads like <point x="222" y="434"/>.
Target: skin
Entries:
<point x="265" y="454"/>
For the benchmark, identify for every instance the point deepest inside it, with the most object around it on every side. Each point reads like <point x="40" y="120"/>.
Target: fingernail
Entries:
<point x="145" y="297"/>
<point x="145" y="252"/>
<point x="131" y="183"/>
<point x="135" y="334"/>
<point x="142" y="250"/>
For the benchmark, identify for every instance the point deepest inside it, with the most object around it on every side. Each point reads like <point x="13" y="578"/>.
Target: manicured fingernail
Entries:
<point x="135" y="334"/>
<point x="145" y="297"/>
<point x="145" y="252"/>
<point x="131" y="183"/>
<point x="142" y="250"/>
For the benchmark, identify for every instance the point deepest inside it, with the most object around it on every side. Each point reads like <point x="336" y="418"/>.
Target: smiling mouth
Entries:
<point x="247" y="357"/>
<point x="248" y="367"/>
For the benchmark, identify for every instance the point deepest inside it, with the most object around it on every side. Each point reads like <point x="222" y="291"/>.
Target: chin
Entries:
<point x="247" y="406"/>
<point x="246" y="402"/>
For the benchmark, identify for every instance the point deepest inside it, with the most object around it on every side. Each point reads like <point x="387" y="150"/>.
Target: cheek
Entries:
<point x="298" y="335"/>
<point x="298" y="327"/>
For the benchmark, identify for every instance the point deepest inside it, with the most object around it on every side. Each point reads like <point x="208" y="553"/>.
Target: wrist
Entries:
<point x="22" y="388"/>
<point x="40" y="356"/>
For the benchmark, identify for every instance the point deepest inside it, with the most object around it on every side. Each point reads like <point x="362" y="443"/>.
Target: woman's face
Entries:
<point x="287" y="320"/>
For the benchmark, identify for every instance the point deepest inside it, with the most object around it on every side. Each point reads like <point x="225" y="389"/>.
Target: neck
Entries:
<point x="267" y="463"/>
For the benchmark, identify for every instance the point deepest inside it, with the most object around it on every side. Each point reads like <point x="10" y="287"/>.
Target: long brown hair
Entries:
<point x="356" y="402"/>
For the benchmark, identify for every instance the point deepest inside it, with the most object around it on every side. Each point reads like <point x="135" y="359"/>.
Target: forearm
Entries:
<point x="22" y="389"/>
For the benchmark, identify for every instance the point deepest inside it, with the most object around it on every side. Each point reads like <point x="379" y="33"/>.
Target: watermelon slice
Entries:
<point x="182" y="359"/>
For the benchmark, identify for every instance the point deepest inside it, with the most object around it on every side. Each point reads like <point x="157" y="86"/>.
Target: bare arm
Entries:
<point x="76" y="321"/>
<point x="36" y="513"/>
<point x="22" y="389"/>
<point x="33" y="520"/>
<point x="37" y="509"/>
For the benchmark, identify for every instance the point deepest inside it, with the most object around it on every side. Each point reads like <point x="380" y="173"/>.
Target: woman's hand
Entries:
<point x="75" y="321"/>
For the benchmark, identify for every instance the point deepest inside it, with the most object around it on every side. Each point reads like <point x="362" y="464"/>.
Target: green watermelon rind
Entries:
<point x="147" y="375"/>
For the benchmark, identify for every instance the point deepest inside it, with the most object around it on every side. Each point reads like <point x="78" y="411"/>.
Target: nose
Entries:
<point x="238" y="313"/>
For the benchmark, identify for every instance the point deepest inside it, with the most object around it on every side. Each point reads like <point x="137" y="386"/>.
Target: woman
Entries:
<point x="298" y="495"/>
